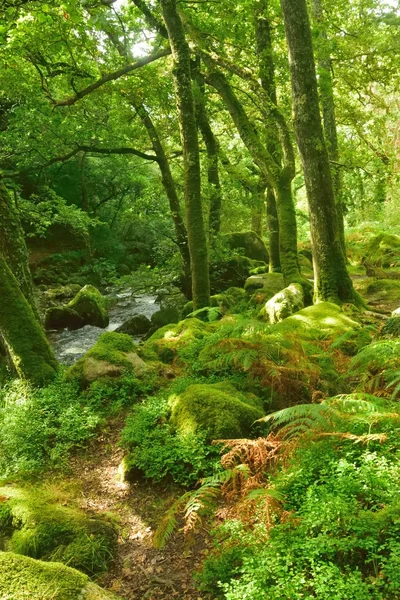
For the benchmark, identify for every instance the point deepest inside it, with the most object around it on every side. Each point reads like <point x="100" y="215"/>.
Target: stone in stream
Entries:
<point x="136" y="325"/>
<point x="87" y="308"/>
<point x="62" y="317"/>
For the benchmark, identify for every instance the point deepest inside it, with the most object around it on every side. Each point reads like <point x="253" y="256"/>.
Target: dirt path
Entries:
<point x="139" y="570"/>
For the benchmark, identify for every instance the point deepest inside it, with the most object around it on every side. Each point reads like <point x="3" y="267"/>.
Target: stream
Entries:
<point x="69" y="346"/>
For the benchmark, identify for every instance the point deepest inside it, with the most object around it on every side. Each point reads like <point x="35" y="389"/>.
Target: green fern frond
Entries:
<point x="265" y="493"/>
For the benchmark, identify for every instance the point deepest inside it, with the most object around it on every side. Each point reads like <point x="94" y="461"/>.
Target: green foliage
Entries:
<point x="159" y="451"/>
<point x="376" y="368"/>
<point x="39" y="427"/>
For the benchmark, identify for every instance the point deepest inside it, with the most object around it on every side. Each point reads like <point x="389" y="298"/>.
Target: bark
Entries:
<point x="276" y="177"/>
<point x="13" y="247"/>
<point x="188" y="129"/>
<point x="332" y="281"/>
<point x="212" y="155"/>
<point x="169" y="187"/>
<point x="273" y="230"/>
<point x="21" y="332"/>
<point x="325" y="82"/>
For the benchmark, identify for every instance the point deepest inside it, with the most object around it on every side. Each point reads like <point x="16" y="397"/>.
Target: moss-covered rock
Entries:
<point x="379" y="292"/>
<point x="326" y="321"/>
<point x="23" y="578"/>
<point x="90" y="305"/>
<point x="250" y="243"/>
<point x="62" y="317"/>
<point x="62" y="292"/>
<point x="34" y="525"/>
<point x="283" y="304"/>
<point x="383" y="250"/>
<point x="136" y="325"/>
<point x="113" y="355"/>
<point x="232" y="272"/>
<point x="218" y="409"/>
<point x="268" y="283"/>
<point x="165" y="343"/>
<point x="165" y="316"/>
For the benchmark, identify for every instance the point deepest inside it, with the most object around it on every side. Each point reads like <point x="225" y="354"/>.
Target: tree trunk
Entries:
<point x="212" y="149"/>
<point x="275" y="176"/>
<point x="258" y="208"/>
<point x="273" y="231"/>
<point x="169" y="187"/>
<point x="332" y="281"/>
<point x="13" y="247"/>
<point x="188" y="129"/>
<point x="23" y="336"/>
<point x="325" y="83"/>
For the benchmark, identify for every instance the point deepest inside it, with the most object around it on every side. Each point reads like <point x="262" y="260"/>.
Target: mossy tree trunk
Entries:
<point x="276" y="176"/>
<point x="212" y="149"/>
<point x="332" y="281"/>
<point x="22" y="334"/>
<point x="188" y="129"/>
<point x="273" y="232"/>
<point x="13" y="247"/>
<point x="169" y="187"/>
<point x="325" y="83"/>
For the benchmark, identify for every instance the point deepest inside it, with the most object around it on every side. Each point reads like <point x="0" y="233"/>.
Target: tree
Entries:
<point x="188" y="129"/>
<point x="332" y="281"/>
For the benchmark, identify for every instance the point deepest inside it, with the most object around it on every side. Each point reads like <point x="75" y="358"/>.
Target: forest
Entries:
<point x="199" y="300"/>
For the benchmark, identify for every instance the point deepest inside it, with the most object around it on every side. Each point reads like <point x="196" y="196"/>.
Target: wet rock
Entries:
<point x="90" y="305"/>
<point x="137" y="325"/>
<point x="62" y="317"/>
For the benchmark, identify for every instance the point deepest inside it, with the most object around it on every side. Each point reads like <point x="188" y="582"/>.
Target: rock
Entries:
<point x="35" y="524"/>
<point x="62" y="317"/>
<point x="307" y="254"/>
<point x="252" y="245"/>
<point x="396" y="313"/>
<point x="62" y="292"/>
<point x="231" y="273"/>
<point x="23" y="578"/>
<point x="285" y="303"/>
<point x="219" y="409"/>
<point x="166" y="342"/>
<point x="136" y="325"/>
<point x="305" y="263"/>
<point x="113" y="355"/>
<point x="269" y="283"/>
<point x="327" y="321"/>
<point x="383" y="250"/>
<point x="174" y="299"/>
<point x="165" y="316"/>
<point x="90" y="305"/>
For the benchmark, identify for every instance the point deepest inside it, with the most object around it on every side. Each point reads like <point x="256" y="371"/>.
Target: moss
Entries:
<point x="23" y="336"/>
<point x="283" y="304"/>
<point x="383" y="250"/>
<point x="167" y="341"/>
<point x="269" y="283"/>
<point x="219" y="409"/>
<point x="23" y="578"/>
<point x="379" y="291"/>
<point x="90" y="305"/>
<point x="111" y="356"/>
<point x="37" y="527"/>
<point x="232" y="272"/>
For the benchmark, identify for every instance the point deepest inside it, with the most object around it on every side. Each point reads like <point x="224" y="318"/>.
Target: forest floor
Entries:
<point x="139" y="570"/>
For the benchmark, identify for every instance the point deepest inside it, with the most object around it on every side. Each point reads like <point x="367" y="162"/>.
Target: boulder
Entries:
<point x="218" y="409"/>
<point x="284" y="304"/>
<point x="123" y="269"/>
<point x="62" y="292"/>
<point x="383" y="250"/>
<point x="232" y="272"/>
<point x="250" y="243"/>
<point x="112" y="356"/>
<point x="62" y="317"/>
<point x="136" y="325"/>
<point x="269" y="283"/>
<point x="90" y="305"/>
<point x="23" y="578"/>
<point x="164" y="316"/>
<point x="33" y="523"/>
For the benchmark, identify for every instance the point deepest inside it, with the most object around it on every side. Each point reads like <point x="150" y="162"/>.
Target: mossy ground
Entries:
<point x="34" y="524"/>
<point x="23" y="578"/>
